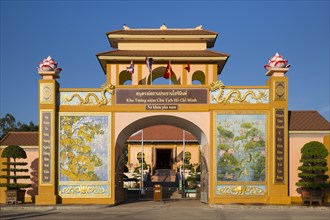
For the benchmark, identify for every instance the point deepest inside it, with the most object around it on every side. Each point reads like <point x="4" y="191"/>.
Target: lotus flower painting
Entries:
<point x="241" y="147"/>
<point x="48" y="64"/>
<point x="276" y="61"/>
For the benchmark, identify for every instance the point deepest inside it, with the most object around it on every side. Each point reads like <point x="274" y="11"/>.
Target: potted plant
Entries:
<point x="14" y="192"/>
<point x="312" y="175"/>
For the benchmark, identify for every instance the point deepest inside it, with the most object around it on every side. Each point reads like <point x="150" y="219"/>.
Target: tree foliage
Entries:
<point x="8" y="123"/>
<point x="314" y="166"/>
<point x="15" y="152"/>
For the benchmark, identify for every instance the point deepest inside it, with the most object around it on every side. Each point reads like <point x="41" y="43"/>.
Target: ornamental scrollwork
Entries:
<point x="91" y="97"/>
<point x="83" y="190"/>
<point x="241" y="190"/>
<point x="280" y="91"/>
<point x="234" y="95"/>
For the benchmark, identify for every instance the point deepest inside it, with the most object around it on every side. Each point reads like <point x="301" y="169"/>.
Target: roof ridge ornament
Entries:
<point x="125" y="27"/>
<point x="163" y="27"/>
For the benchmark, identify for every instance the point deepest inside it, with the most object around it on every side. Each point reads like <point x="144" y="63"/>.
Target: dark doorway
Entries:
<point x="163" y="159"/>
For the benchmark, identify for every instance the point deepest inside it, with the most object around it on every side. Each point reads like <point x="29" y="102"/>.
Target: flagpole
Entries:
<point x="184" y="158"/>
<point x="169" y="78"/>
<point x="142" y="180"/>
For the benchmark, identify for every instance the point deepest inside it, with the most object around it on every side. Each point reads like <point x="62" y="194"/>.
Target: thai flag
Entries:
<point x="149" y="62"/>
<point x="130" y="69"/>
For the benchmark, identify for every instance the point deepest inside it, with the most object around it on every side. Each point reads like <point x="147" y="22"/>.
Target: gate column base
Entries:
<point x="279" y="200"/>
<point x="47" y="199"/>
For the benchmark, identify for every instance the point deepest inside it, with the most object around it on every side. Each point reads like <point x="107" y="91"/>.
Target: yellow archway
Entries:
<point x="152" y="121"/>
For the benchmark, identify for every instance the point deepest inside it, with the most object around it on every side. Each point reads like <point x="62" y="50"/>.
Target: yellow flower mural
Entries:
<point x="83" y="148"/>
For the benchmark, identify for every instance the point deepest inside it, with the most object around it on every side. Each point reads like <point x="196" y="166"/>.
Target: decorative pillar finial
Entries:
<point x="48" y="69"/>
<point x="277" y="66"/>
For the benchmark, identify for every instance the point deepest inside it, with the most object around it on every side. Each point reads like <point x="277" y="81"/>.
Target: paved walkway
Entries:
<point x="169" y="210"/>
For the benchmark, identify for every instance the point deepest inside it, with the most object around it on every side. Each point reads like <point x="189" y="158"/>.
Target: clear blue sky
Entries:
<point x="73" y="32"/>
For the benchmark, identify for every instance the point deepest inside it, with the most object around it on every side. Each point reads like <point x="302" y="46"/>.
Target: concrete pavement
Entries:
<point x="178" y="209"/>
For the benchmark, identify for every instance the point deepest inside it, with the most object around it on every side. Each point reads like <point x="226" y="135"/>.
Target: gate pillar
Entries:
<point x="278" y="182"/>
<point x="47" y="183"/>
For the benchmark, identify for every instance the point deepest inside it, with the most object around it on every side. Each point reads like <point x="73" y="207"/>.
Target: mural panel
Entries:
<point x="84" y="154"/>
<point x="240" y="154"/>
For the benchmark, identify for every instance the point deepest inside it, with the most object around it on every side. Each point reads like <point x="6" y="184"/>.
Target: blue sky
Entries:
<point x="73" y="32"/>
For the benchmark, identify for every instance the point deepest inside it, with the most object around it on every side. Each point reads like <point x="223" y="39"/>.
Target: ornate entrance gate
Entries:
<point x="242" y="131"/>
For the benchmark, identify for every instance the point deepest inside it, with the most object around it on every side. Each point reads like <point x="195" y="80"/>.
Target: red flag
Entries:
<point x="188" y="67"/>
<point x="168" y="71"/>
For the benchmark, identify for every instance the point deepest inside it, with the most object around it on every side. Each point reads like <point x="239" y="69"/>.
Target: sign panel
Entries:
<point x="161" y="96"/>
<point x="279" y="145"/>
<point x="46" y="146"/>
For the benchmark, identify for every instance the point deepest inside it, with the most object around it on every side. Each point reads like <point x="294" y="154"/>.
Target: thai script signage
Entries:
<point x="45" y="146"/>
<point x="279" y="145"/>
<point x="161" y="96"/>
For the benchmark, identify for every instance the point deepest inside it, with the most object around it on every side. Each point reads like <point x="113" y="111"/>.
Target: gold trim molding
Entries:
<point x="241" y="190"/>
<point x="83" y="190"/>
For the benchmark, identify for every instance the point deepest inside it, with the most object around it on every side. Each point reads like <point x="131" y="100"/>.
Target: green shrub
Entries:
<point x="15" y="152"/>
<point x="314" y="166"/>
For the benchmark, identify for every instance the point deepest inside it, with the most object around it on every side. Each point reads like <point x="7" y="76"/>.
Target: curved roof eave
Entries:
<point x="163" y="56"/>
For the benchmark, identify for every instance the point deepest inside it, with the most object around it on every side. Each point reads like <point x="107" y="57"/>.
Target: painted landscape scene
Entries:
<point x="241" y="147"/>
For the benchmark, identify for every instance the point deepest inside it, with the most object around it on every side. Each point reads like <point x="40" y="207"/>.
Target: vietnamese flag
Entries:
<point x="188" y="67"/>
<point x="168" y="71"/>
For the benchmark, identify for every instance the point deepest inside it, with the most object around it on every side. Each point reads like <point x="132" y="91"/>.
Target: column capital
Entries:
<point x="279" y="72"/>
<point x="53" y="74"/>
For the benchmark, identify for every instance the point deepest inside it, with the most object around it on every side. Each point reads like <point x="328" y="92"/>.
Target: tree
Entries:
<point x="312" y="175"/>
<point x="314" y="166"/>
<point x="8" y="123"/>
<point x="27" y="127"/>
<point x="15" y="152"/>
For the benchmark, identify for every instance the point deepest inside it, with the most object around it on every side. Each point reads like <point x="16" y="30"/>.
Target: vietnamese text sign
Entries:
<point x="161" y="96"/>
<point x="46" y="146"/>
<point x="161" y="107"/>
<point x="279" y="145"/>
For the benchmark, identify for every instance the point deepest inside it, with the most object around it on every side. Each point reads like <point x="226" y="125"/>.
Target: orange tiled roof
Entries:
<point x="219" y="58"/>
<point x="21" y="138"/>
<point x="307" y="121"/>
<point x="162" y="133"/>
<point x="161" y="34"/>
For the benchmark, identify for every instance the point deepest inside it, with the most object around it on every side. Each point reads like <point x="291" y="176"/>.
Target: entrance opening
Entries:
<point x="164" y="159"/>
